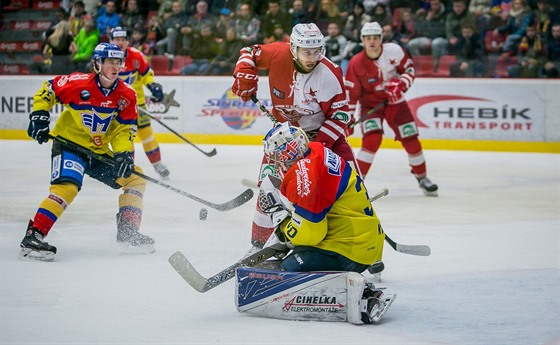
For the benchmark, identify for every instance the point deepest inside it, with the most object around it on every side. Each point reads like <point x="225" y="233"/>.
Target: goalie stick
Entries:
<point x="411" y="249"/>
<point x="207" y="154"/>
<point x="237" y="201"/>
<point x="201" y="284"/>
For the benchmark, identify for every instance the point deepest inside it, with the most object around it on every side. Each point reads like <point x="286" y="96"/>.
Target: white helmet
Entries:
<point x="370" y="29"/>
<point x="284" y="145"/>
<point x="305" y="36"/>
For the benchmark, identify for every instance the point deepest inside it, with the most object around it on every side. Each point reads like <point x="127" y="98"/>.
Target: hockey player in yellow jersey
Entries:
<point x="138" y="73"/>
<point x="99" y="115"/>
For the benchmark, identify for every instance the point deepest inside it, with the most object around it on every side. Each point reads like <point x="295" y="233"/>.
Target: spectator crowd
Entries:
<point x="479" y="34"/>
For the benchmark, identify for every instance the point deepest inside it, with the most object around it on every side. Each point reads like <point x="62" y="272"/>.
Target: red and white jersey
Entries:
<point x="313" y="101"/>
<point x="366" y="78"/>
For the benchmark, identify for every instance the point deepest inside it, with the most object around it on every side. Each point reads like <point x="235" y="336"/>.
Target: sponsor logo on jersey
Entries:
<point x="372" y="80"/>
<point x="332" y="162"/>
<point x="72" y="165"/>
<point x="278" y="94"/>
<point x="303" y="183"/>
<point x="85" y="95"/>
<point x="339" y="104"/>
<point x="408" y="130"/>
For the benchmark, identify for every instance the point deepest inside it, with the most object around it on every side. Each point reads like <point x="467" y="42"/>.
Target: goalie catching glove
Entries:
<point x="38" y="128"/>
<point x="278" y="208"/>
<point x="246" y="82"/>
<point x="157" y="92"/>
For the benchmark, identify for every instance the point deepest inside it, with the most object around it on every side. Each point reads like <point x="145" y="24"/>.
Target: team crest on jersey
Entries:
<point x="278" y="94"/>
<point x="303" y="183"/>
<point x="95" y="122"/>
<point x="332" y="162"/>
<point x="123" y="103"/>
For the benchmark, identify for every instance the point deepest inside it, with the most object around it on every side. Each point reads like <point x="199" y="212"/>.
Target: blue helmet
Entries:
<point x="118" y="31"/>
<point x="107" y="50"/>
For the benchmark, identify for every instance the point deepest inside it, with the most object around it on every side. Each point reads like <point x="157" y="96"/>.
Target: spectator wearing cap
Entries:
<point x="224" y="22"/>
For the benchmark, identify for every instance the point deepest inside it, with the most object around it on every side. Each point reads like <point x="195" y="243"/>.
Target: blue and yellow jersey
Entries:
<point x="332" y="207"/>
<point x="136" y="72"/>
<point x="92" y="116"/>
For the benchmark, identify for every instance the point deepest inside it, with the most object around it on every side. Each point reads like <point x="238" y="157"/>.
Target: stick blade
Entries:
<point x="238" y="201"/>
<point x="419" y="250"/>
<point x="211" y="153"/>
<point x="187" y="271"/>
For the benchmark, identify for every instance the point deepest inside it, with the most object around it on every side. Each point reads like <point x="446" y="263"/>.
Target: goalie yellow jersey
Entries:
<point x="93" y="117"/>
<point x="332" y="207"/>
<point x="136" y="72"/>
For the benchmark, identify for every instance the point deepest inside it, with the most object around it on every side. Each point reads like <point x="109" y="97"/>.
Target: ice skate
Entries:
<point x="162" y="170"/>
<point x="375" y="269"/>
<point x="375" y="304"/>
<point x="33" y="247"/>
<point x="132" y="241"/>
<point x="429" y="188"/>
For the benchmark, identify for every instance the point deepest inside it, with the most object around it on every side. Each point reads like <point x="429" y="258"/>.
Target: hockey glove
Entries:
<point x="157" y="92"/>
<point x="395" y="90"/>
<point x="245" y="83"/>
<point x="38" y="128"/>
<point x="124" y="164"/>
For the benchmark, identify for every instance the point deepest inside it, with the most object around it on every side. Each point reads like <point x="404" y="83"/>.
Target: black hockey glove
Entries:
<point x="39" y="126"/>
<point x="157" y="92"/>
<point x="124" y="164"/>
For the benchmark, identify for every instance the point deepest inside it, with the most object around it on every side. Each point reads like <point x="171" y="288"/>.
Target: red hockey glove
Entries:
<point x="245" y="83"/>
<point x="395" y="90"/>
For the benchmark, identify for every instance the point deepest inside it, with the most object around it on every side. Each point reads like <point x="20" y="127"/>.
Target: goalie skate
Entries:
<point x="375" y="305"/>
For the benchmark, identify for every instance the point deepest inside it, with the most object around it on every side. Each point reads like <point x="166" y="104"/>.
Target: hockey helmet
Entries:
<point x="105" y="51"/>
<point x="306" y="36"/>
<point x="372" y="28"/>
<point x="118" y="31"/>
<point x="284" y="145"/>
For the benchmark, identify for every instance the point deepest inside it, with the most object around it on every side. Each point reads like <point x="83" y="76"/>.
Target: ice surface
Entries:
<point x="493" y="276"/>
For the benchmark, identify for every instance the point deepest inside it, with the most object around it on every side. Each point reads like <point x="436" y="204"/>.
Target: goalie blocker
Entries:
<point x="320" y="296"/>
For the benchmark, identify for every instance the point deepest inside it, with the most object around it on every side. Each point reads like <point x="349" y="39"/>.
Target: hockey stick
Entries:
<point x="263" y="108"/>
<point x="237" y="201"/>
<point x="373" y="110"/>
<point x="201" y="284"/>
<point x="207" y="154"/>
<point x="413" y="249"/>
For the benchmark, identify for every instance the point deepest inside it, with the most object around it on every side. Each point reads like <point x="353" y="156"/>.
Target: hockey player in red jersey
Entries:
<point x="137" y="73"/>
<point x="306" y="89"/>
<point x="383" y="72"/>
<point x="100" y="116"/>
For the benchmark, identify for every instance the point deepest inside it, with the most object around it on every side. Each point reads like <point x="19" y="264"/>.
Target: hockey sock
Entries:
<point x="415" y="156"/>
<point x="51" y="208"/>
<point x="150" y="144"/>
<point x="370" y="145"/>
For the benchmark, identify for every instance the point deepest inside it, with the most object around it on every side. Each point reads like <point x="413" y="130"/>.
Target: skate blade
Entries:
<point x="387" y="301"/>
<point x="28" y="254"/>
<point x="428" y="193"/>
<point x="128" y="249"/>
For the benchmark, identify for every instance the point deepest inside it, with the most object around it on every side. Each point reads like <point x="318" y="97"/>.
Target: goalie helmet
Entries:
<point x="306" y="36"/>
<point x="118" y="31"/>
<point x="284" y="145"/>
<point x="370" y="29"/>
